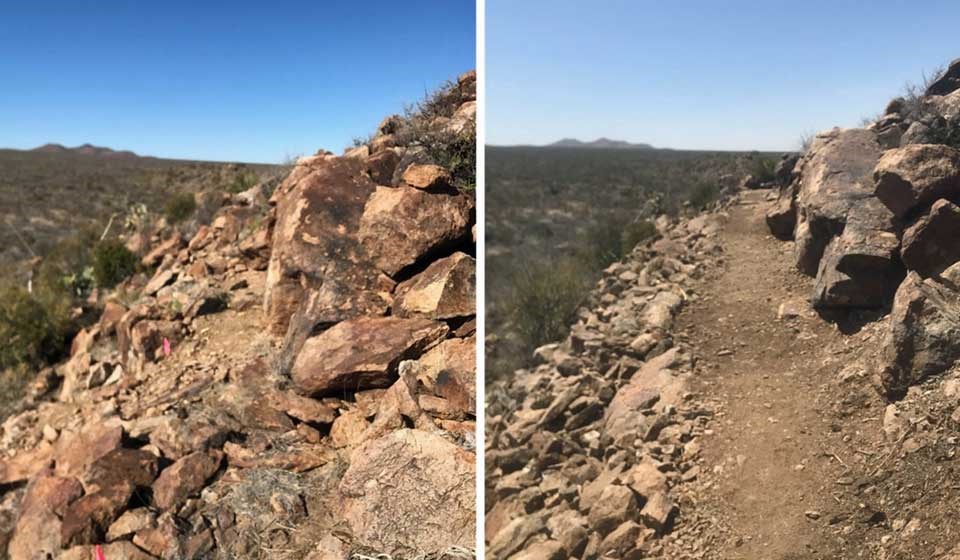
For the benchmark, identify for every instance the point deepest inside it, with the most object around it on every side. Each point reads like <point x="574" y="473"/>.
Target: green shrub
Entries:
<point x="763" y="169"/>
<point x="704" y="194"/>
<point x="34" y="327"/>
<point x="112" y="263"/>
<point x="545" y="298"/>
<point x="635" y="233"/>
<point x="180" y="207"/>
<point x="241" y="182"/>
<point x="425" y="124"/>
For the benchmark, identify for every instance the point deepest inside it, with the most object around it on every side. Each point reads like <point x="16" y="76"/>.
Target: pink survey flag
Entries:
<point x="98" y="552"/>
<point x="166" y="346"/>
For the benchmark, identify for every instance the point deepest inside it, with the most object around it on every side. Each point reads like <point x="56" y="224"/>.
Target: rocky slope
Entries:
<point x="584" y="450"/>
<point x="296" y="380"/>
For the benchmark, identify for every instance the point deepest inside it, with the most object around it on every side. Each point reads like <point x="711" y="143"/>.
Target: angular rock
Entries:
<point x="860" y="267"/>
<point x="361" y="353"/>
<point x="410" y="492"/>
<point x="544" y="550"/>
<point x="134" y="466"/>
<point x="655" y="383"/>
<point x="835" y="175"/>
<point x="37" y="531"/>
<point x="914" y="176"/>
<point x="381" y="166"/>
<point x="930" y="245"/>
<point x="86" y="520"/>
<point x="316" y="250"/>
<point x="78" y="452"/>
<point x="923" y="334"/>
<point x="426" y="176"/>
<point x="616" y="505"/>
<point x="177" y="437"/>
<point x="401" y="225"/>
<point x="131" y="522"/>
<point x="449" y="370"/>
<point x="185" y="478"/>
<point x="658" y="512"/>
<point x="122" y="550"/>
<point x="947" y="82"/>
<point x="621" y="540"/>
<point x="782" y="216"/>
<point x="445" y="290"/>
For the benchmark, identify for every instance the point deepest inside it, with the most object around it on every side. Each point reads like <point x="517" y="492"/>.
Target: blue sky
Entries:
<point x="706" y="74"/>
<point x="228" y="81"/>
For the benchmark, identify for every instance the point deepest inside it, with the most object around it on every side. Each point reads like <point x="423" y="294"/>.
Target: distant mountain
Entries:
<point x="600" y="143"/>
<point x="84" y="150"/>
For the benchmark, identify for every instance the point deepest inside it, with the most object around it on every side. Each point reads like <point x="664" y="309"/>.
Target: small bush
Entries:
<point x="637" y="232"/>
<point x="763" y="169"/>
<point x="545" y="298"/>
<point x="112" y="263"/>
<point x="426" y="125"/>
<point x="180" y="207"/>
<point x="703" y="195"/>
<point x="33" y="327"/>
<point x="240" y="183"/>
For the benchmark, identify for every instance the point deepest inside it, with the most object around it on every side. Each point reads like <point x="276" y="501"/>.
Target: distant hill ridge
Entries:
<point x="85" y="149"/>
<point x="600" y="143"/>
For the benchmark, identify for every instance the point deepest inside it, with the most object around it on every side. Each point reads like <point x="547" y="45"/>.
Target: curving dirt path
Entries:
<point x="772" y="464"/>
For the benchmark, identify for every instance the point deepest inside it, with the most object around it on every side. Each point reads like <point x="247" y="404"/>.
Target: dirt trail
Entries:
<point x="768" y="463"/>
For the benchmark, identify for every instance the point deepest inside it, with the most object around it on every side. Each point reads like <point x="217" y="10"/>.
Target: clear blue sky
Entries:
<point x="704" y="74"/>
<point x="229" y="81"/>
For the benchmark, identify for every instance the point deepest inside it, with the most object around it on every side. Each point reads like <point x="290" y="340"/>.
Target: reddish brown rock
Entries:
<point x="445" y="290"/>
<point x="169" y="246"/>
<point x="616" y="505"/>
<point x="185" y="478"/>
<point x="131" y="522"/>
<point x="162" y="541"/>
<point x="361" y="353"/>
<point x="122" y="550"/>
<point x="401" y="225"/>
<point x="381" y="166"/>
<point x="916" y="175"/>
<point x="428" y="504"/>
<point x="135" y="466"/>
<point x="929" y="246"/>
<point x="37" y="531"/>
<point x="78" y="452"/>
<point x="110" y="318"/>
<point x="449" y="370"/>
<point x="86" y="520"/>
<point x="426" y="176"/>
<point x="348" y="429"/>
<point x="177" y="438"/>
<point x="316" y="249"/>
<point x="26" y="463"/>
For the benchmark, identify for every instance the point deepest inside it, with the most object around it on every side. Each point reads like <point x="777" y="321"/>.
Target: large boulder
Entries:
<point x="860" y="267"/>
<point x="947" y="82"/>
<point x="932" y="243"/>
<point x="835" y="176"/>
<point x="37" y="531"/>
<point x="401" y="225"/>
<point x="409" y="493"/>
<point x="923" y="334"/>
<point x="316" y="249"/>
<point x="914" y="176"/>
<point x="445" y="290"/>
<point x="361" y="353"/>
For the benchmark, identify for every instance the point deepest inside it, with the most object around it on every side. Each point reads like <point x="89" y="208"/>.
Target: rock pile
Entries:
<point x="174" y="430"/>
<point x="873" y="215"/>
<point x="585" y="450"/>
